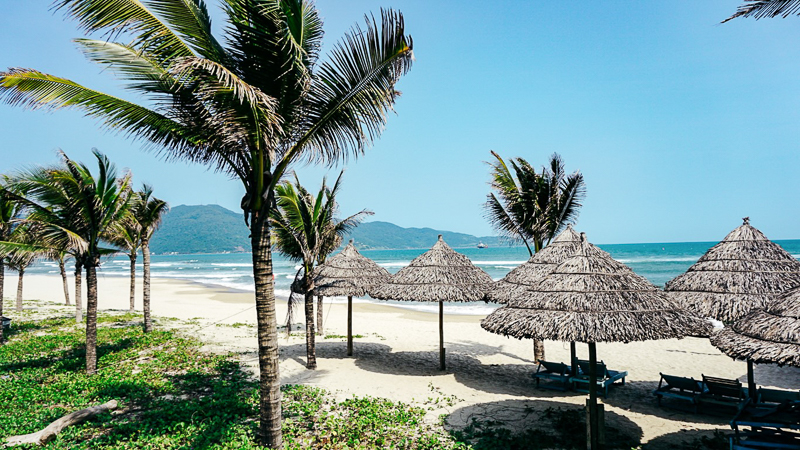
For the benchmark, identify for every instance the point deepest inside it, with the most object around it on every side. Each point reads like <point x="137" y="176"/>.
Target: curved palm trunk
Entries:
<point x="78" y="301"/>
<point x="148" y="321"/>
<point x="63" y="269"/>
<point x="269" y="382"/>
<point x="21" y="274"/>
<point x="91" y="319"/>
<point x="311" y="350"/>
<point x="319" y="315"/>
<point x="2" y="282"/>
<point x="132" y="256"/>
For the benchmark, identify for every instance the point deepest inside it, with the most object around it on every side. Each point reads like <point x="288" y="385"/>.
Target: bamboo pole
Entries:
<point x="349" y="325"/>
<point x="441" y="336"/>
<point x="751" y="382"/>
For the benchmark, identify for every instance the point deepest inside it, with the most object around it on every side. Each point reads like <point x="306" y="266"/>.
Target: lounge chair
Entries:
<point x="771" y="426"/>
<point x="605" y="377"/>
<point x="682" y="388"/>
<point x="558" y="372"/>
<point x="722" y="391"/>
<point x="776" y="396"/>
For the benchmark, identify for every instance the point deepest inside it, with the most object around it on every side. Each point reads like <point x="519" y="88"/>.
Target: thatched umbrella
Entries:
<point x="351" y="274"/>
<point x="592" y="298"/>
<point x="764" y="336"/>
<point x="438" y="275"/>
<point x="516" y="283"/>
<point x="743" y="272"/>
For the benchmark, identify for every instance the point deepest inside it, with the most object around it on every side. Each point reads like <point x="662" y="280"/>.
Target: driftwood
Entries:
<point x="49" y="433"/>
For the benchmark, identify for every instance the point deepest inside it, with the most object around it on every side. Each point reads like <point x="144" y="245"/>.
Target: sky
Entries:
<point x="680" y="125"/>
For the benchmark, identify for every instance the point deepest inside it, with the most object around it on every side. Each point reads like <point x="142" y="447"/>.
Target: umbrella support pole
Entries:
<point x="349" y="325"/>
<point x="594" y="432"/>
<point x="441" y="336"/>
<point x="573" y="359"/>
<point x="751" y="383"/>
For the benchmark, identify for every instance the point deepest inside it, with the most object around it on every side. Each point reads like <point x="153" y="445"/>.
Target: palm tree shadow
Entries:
<point x="68" y="360"/>
<point x="535" y="424"/>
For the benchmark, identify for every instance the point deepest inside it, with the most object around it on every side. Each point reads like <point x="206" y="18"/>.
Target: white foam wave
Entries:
<point x="656" y="259"/>
<point x="395" y="264"/>
<point x="232" y="265"/>
<point x="498" y="263"/>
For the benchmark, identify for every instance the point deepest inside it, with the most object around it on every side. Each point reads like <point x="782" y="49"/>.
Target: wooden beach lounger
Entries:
<point x="605" y="377"/>
<point x="722" y="391"/>
<point x="682" y="388"/>
<point x="558" y="372"/>
<point x="772" y="426"/>
<point x="777" y="396"/>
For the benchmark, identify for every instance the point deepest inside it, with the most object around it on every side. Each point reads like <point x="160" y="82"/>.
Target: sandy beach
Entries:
<point x="397" y="357"/>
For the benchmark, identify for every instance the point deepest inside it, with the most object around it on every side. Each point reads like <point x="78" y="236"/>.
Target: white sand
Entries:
<point x="397" y="358"/>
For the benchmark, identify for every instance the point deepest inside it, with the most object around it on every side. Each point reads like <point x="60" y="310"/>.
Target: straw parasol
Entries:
<point x="764" y="336"/>
<point x="438" y="275"/>
<point x="351" y="274"/>
<point x="516" y="283"/>
<point x="592" y="298"/>
<point x="743" y="272"/>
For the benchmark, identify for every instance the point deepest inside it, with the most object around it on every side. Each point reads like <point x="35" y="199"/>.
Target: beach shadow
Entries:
<point x="482" y="349"/>
<point x="691" y="440"/>
<point x="785" y="377"/>
<point x="69" y="360"/>
<point x="535" y="424"/>
<point x="637" y="396"/>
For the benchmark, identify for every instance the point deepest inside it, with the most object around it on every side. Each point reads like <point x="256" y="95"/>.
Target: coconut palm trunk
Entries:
<point x="148" y="320"/>
<point x="311" y="344"/>
<point x="91" y="319"/>
<point x="78" y="288"/>
<point x="132" y="257"/>
<point x="267" y="322"/>
<point x="20" y="276"/>
<point x="63" y="269"/>
<point x="319" y="315"/>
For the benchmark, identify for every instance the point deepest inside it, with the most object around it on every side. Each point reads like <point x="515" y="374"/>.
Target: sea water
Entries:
<point x="658" y="263"/>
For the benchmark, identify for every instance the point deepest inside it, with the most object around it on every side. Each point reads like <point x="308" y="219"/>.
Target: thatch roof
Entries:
<point x="765" y="336"/>
<point x="590" y="297"/>
<point x="348" y="273"/>
<point x="743" y="272"/>
<point x="516" y="282"/>
<point x="440" y="274"/>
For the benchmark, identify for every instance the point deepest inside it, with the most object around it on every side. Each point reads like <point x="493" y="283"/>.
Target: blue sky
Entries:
<point x="680" y="125"/>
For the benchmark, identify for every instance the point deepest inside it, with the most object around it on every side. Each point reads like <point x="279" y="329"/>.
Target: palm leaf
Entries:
<point x="766" y="8"/>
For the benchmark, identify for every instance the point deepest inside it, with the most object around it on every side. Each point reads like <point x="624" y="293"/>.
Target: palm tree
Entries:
<point x="22" y="255"/>
<point x="147" y="211"/>
<point x="305" y="230"/>
<point x="126" y="234"/>
<point x="766" y="8"/>
<point x="531" y="207"/>
<point x="251" y="109"/>
<point x="73" y="208"/>
<point x="10" y="211"/>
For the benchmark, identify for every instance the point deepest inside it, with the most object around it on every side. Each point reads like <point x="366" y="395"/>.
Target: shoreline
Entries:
<point x="396" y="356"/>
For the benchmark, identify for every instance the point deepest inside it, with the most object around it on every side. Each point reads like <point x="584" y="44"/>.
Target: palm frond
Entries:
<point x="760" y="9"/>
<point x="351" y="94"/>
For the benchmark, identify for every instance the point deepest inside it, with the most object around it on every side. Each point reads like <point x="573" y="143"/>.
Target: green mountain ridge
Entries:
<point x="190" y="229"/>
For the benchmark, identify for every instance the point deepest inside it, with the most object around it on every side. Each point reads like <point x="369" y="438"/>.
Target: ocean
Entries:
<point x="658" y="263"/>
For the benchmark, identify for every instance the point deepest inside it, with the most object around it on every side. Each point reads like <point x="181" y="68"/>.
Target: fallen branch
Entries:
<point x="49" y="433"/>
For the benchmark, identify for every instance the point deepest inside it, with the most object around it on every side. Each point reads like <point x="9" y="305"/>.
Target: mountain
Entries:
<point x="201" y="229"/>
<point x="214" y="229"/>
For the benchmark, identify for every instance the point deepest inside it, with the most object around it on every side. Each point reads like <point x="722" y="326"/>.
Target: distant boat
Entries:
<point x="482" y="245"/>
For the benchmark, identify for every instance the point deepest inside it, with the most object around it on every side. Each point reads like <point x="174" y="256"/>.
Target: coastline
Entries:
<point x="397" y="356"/>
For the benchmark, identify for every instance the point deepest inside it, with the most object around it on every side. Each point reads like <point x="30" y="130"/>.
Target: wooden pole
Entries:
<point x="441" y="336"/>
<point x="751" y="382"/>
<point x="349" y="325"/>
<point x="573" y="359"/>
<point x="594" y="422"/>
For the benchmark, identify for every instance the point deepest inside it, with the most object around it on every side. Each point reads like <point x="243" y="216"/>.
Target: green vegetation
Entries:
<point x="172" y="395"/>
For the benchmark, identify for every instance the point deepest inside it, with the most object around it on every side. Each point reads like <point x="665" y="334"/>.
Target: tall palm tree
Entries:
<point x="126" y="234"/>
<point x="10" y="211"/>
<point x="306" y="228"/>
<point x="148" y="212"/>
<point x="766" y="8"/>
<point x="74" y="208"/>
<point x="251" y="109"/>
<point x="22" y="255"/>
<point x="531" y="207"/>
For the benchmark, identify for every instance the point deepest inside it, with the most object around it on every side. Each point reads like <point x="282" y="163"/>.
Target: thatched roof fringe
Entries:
<point x="348" y="273"/>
